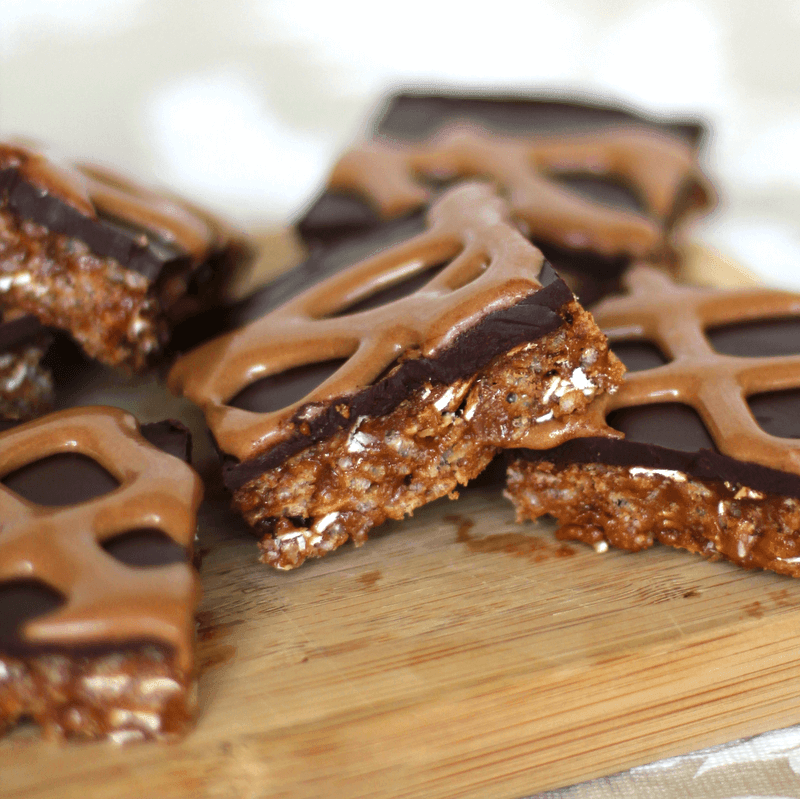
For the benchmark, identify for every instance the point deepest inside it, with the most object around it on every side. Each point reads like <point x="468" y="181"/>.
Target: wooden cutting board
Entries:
<point x="456" y="655"/>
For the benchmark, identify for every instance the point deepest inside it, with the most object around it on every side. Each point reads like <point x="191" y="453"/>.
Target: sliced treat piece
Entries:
<point x="414" y="358"/>
<point x="593" y="186"/>
<point x="710" y="461"/>
<point x="113" y="264"/>
<point x="97" y="591"/>
<point x="26" y="386"/>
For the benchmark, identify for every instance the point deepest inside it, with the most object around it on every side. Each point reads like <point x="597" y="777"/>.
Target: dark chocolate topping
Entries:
<point x="664" y="425"/>
<point x="639" y="355"/>
<point x="20" y="602"/>
<point x="763" y="337"/>
<point x="171" y="436"/>
<point x="778" y="412"/>
<point x="145" y="548"/>
<point x="418" y="115"/>
<point x="19" y="331"/>
<point x="60" y="480"/>
<point x="131" y="248"/>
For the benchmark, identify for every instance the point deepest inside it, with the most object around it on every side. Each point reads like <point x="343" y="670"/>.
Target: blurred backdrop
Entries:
<point x="243" y="104"/>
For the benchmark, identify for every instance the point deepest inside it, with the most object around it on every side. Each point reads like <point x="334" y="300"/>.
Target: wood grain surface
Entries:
<point x="457" y="654"/>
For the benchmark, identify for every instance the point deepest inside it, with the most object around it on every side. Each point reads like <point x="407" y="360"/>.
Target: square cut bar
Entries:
<point x="710" y="410"/>
<point x="112" y="263"/>
<point x="97" y="590"/>
<point x="411" y="358"/>
<point x="593" y="186"/>
<point x="26" y="385"/>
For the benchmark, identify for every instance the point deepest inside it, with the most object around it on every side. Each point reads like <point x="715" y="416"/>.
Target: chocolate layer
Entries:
<point x="530" y="319"/>
<point x="417" y="115"/>
<point x="764" y="337"/>
<point x="644" y="452"/>
<point x="20" y="331"/>
<point x="136" y="249"/>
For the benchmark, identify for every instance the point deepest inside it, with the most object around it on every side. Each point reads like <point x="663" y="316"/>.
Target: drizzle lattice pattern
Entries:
<point x="717" y="386"/>
<point x="106" y="601"/>
<point x="491" y="265"/>
<point x="659" y="168"/>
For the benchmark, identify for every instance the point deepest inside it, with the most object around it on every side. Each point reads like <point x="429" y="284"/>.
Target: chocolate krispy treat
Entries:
<point x="26" y="385"/>
<point x="97" y="594"/>
<point x="112" y="263"/>
<point x="419" y="353"/>
<point x="710" y="461"/>
<point x="593" y="186"/>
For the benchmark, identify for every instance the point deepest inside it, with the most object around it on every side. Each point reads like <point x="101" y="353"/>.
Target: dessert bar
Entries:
<point x="26" y="385"/>
<point x="97" y="592"/>
<point x="710" y="409"/>
<point x="390" y="369"/>
<point x="592" y="185"/>
<point x="90" y="252"/>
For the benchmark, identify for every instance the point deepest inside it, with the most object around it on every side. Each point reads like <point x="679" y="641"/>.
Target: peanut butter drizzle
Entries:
<point x="94" y="191"/>
<point x="492" y="266"/>
<point x="106" y="601"/>
<point x="675" y="318"/>
<point x="657" y="166"/>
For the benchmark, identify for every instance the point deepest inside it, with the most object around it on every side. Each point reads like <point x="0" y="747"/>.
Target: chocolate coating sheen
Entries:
<point x="762" y="338"/>
<point x="670" y="437"/>
<point x="778" y="412"/>
<point x="532" y="317"/>
<point x="135" y="249"/>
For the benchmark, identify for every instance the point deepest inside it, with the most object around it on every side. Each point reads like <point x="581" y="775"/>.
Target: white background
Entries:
<point x="243" y="104"/>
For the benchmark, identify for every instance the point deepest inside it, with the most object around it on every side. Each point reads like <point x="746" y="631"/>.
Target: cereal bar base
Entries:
<point x="633" y="508"/>
<point x="128" y="696"/>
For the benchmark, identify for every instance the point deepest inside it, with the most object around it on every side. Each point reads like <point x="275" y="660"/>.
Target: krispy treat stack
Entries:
<point x="593" y="186"/>
<point x="423" y="348"/>
<point x="710" y="410"/>
<point x="97" y="594"/>
<point x="113" y="264"/>
<point x="25" y="384"/>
